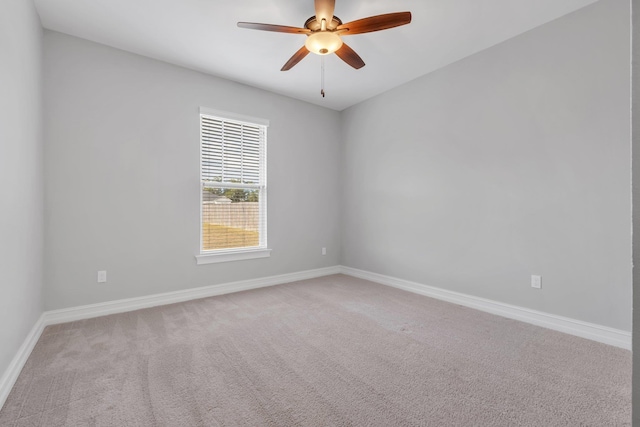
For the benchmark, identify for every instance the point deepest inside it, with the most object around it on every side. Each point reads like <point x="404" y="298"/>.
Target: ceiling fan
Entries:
<point x="324" y="31"/>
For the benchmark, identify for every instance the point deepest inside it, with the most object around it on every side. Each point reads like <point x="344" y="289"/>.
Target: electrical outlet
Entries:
<point x="536" y="281"/>
<point x="324" y="251"/>
<point x="102" y="276"/>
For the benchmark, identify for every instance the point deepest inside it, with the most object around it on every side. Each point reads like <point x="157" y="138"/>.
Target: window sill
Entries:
<point x="227" y="256"/>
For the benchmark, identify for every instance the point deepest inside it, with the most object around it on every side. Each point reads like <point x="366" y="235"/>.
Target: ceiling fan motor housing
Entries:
<point x="313" y="24"/>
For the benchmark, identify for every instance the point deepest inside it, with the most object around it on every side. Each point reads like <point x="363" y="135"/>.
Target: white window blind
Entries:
<point x="233" y="178"/>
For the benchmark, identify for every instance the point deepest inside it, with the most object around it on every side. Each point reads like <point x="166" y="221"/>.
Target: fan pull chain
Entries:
<point x="322" y="76"/>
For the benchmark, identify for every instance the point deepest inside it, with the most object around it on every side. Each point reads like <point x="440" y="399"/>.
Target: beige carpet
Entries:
<point x="334" y="351"/>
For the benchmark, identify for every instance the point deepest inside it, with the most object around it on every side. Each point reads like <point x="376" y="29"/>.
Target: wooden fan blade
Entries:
<point x="350" y="56"/>
<point x="374" y="23"/>
<point x="324" y="10"/>
<point x="271" y="27"/>
<point x="297" y="57"/>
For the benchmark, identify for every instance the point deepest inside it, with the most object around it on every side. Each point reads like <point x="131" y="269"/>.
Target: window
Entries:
<point x="233" y="178"/>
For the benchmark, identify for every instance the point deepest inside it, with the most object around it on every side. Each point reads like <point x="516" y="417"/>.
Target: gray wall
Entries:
<point x="512" y="162"/>
<point x="21" y="219"/>
<point x="122" y="175"/>
<point x="635" y="58"/>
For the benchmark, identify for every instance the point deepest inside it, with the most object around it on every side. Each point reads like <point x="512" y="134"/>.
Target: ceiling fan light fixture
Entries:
<point x="323" y="42"/>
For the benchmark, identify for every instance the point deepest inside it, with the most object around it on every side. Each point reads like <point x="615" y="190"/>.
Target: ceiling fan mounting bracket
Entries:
<point x="313" y="24"/>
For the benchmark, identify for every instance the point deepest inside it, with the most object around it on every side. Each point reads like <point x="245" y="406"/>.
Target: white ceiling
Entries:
<point x="202" y="35"/>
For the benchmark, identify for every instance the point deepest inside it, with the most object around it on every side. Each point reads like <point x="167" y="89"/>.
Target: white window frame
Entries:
<point x="236" y="254"/>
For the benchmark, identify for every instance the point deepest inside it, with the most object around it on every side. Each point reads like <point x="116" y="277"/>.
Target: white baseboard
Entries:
<point x="120" y="306"/>
<point x="10" y="375"/>
<point x="603" y="334"/>
<point x="102" y="309"/>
